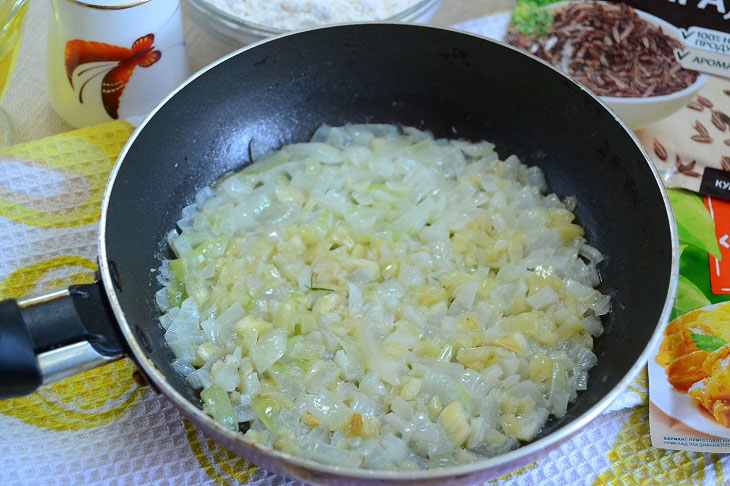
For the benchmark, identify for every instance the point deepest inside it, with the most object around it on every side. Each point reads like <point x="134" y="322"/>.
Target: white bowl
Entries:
<point x="637" y="113"/>
<point x="237" y="32"/>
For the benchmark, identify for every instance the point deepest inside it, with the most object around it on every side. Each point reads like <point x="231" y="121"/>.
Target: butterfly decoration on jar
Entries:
<point x="115" y="62"/>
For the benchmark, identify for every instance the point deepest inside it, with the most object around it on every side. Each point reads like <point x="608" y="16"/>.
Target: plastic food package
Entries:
<point x="661" y="66"/>
<point x="689" y="372"/>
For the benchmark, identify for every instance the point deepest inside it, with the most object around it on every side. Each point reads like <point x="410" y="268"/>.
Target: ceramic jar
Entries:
<point x="113" y="59"/>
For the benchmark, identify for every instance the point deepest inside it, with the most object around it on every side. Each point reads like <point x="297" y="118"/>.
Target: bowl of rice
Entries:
<point x="241" y="22"/>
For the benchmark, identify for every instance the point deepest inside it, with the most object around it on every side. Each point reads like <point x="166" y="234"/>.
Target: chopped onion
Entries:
<point x="379" y="298"/>
<point x="269" y="349"/>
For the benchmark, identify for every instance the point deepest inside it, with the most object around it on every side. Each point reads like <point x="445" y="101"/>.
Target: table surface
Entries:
<point x="33" y="116"/>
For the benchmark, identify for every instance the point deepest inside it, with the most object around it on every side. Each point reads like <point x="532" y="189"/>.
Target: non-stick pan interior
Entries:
<point x="453" y="84"/>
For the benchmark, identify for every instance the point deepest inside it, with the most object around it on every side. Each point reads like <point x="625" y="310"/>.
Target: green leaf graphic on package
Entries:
<point x="708" y="343"/>
<point x="694" y="224"/>
<point x="697" y="238"/>
<point x="689" y="297"/>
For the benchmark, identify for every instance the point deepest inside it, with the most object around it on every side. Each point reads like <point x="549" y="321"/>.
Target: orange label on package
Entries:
<point x="720" y="270"/>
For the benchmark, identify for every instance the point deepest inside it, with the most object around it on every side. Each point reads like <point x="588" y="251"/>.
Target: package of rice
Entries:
<point x="661" y="66"/>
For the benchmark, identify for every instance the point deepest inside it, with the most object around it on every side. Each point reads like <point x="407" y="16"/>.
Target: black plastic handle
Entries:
<point x="31" y="328"/>
<point x="20" y="373"/>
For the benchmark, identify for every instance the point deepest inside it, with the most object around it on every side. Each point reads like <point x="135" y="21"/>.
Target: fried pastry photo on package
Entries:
<point x="695" y="355"/>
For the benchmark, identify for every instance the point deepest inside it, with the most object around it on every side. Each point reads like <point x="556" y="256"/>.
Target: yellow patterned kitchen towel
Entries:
<point x="102" y="428"/>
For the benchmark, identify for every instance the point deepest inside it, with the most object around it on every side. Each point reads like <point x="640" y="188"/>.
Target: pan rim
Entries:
<point x="517" y="457"/>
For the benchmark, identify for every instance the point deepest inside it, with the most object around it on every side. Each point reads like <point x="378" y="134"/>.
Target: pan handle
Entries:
<point x="52" y="336"/>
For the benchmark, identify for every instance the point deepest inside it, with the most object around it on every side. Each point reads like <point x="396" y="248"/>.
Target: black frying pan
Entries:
<point x="454" y="84"/>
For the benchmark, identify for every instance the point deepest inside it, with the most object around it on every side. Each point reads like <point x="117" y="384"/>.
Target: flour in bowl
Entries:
<point x="301" y="14"/>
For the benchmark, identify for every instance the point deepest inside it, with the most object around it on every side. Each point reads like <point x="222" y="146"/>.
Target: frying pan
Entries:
<point x="277" y="92"/>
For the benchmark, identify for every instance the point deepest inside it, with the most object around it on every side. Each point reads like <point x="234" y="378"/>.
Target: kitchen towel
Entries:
<point x="102" y="428"/>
